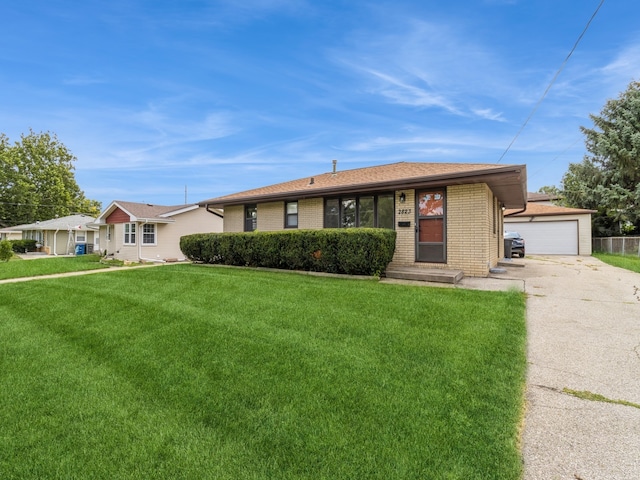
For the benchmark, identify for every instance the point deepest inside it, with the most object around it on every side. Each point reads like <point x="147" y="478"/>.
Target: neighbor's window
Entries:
<point x="360" y="211"/>
<point x="149" y="234"/>
<point x="81" y="236"/>
<point x="291" y="215"/>
<point x="129" y="233"/>
<point x="250" y="218"/>
<point x="108" y="232"/>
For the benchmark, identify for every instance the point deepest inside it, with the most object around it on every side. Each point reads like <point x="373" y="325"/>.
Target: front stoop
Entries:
<point x="425" y="274"/>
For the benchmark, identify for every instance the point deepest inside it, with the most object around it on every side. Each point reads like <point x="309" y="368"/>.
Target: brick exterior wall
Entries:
<point x="234" y="219"/>
<point x="270" y="216"/>
<point x="405" y="253"/>
<point x="311" y="214"/>
<point x="473" y="244"/>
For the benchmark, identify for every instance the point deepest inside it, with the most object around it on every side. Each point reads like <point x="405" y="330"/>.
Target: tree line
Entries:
<point x="37" y="181"/>
<point x="608" y="178"/>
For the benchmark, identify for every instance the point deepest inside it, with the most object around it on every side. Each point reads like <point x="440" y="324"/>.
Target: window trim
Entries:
<point x="154" y="233"/>
<point x="288" y="216"/>
<point x="376" y="199"/>
<point x="129" y="234"/>
<point x="254" y="220"/>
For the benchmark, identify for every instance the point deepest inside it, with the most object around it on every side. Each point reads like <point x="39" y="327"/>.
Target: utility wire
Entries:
<point x="552" y="81"/>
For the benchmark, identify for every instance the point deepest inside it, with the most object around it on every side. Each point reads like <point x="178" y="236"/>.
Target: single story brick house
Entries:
<point x="144" y="232"/>
<point x="447" y="215"/>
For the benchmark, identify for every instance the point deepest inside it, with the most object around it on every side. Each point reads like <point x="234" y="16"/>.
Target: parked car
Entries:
<point x="517" y="243"/>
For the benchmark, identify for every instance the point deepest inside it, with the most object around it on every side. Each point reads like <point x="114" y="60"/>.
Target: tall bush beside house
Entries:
<point x="6" y="251"/>
<point x="357" y="251"/>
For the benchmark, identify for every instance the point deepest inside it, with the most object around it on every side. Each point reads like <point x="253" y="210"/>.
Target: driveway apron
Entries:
<point x="583" y="321"/>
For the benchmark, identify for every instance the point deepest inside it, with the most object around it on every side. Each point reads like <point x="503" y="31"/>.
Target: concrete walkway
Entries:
<point x="583" y="334"/>
<point x="583" y="322"/>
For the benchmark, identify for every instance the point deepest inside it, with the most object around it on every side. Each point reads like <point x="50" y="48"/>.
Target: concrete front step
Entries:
<point x="425" y="274"/>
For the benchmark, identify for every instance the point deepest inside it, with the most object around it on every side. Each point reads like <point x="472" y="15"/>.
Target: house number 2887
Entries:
<point x="404" y="211"/>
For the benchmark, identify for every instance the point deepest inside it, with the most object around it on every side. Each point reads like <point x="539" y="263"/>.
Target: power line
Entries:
<point x="552" y="81"/>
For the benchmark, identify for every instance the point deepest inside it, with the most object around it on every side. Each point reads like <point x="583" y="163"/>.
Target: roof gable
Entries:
<point x="142" y="212"/>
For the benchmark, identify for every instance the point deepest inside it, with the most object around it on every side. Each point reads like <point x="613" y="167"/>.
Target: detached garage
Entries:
<point x="552" y="230"/>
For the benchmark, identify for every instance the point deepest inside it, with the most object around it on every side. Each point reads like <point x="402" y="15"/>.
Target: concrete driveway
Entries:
<point x="583" y="321"/>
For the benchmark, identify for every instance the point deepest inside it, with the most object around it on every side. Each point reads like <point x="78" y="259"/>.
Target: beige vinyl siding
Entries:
<point x="167" y="245"/>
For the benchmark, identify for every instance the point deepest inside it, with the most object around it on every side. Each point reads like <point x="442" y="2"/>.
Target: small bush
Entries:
<point x="6" y="251"/>
<point x="353" y="251"/>
<point x="23" y="246"/>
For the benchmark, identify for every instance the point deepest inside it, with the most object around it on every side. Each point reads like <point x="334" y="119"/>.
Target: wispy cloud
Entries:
<point x="428" y="65"/>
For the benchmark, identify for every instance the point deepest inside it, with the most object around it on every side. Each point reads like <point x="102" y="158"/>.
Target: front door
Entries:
<point x="430" y="226"/>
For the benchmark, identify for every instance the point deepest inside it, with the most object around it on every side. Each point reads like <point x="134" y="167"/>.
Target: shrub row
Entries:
<point x="22" y="246"/>
<point x="353" y="251"/>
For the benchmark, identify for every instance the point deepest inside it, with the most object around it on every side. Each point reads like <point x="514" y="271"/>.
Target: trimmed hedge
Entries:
<point x="22" y="246"/>
<point x="353" y="251"/>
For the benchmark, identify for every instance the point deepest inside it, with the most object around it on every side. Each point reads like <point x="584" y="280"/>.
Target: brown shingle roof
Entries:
<point x="535" y="209"/>
<point x="395" y="175"/>
<point x="146" y="210"/>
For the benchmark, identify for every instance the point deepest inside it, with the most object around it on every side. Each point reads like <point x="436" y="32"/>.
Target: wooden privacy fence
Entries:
<point x="620" y="245"/>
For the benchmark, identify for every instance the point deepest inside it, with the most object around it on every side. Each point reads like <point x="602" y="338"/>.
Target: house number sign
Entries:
<point x="404" y="211"/>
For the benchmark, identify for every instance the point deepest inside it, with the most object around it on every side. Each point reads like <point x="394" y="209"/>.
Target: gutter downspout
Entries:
<point x="140" y="257"/>
<point x="206" y="207"/>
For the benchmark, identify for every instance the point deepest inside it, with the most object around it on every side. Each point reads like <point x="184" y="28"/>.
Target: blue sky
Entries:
<point x="222" y="96"/>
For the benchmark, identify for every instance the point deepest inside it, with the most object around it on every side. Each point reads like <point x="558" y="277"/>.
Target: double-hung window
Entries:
<point x="291" y="215"/>
<point x="250" y="218"/>
<point x="149" y="234"/>
<point x="129" y="233"/>
<point x="81" y="236"/>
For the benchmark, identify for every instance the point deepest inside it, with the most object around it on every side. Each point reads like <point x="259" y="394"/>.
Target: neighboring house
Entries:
<point x="144" y="232"/>
<point x="60" y="236"/>
<point x="549" y="229"/>
<point x="11" y="233"/>
<point x="447" y="215"/>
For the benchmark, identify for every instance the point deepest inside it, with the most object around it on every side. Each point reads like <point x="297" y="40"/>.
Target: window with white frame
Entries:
<point x="81" y="236"/>
<point x="149" y="234"/>
<point x="129" y="233"/>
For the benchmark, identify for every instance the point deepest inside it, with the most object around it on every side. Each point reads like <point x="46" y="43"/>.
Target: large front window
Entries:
<point x="359" y="211"/>
<point x="149" y="234"/>
<point x="129" y="233"/>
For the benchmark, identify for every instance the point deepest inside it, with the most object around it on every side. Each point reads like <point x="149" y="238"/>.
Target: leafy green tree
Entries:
<point x="6" y="251"/>
<point x="608" y="179"/>
<point x="37" y="181"/>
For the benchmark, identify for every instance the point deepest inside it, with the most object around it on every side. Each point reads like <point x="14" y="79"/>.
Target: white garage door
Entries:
<point x="543" y="238"/>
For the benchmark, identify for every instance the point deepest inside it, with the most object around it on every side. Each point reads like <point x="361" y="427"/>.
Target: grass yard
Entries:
<point x="187" y="371"/>
<point x="628" y="262"/>
<point x="17" y="267"/>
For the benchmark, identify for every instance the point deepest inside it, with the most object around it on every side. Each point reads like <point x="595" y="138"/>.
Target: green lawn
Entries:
<point x="17" y="267"/>
<point x="628" y="262"/>
<point x="187" y="371"/>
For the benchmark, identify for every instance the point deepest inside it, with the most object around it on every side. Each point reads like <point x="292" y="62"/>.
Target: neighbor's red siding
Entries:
<point x="118" y="216"/>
